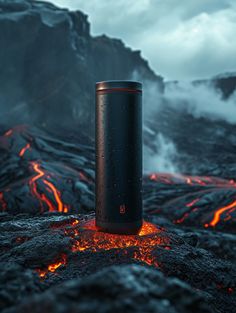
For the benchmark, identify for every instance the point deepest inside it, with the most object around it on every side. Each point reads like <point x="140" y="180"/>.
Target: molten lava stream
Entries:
<point x="60" y="207"/>
<point x="218" y="214"/>
<point x="24" y="149"/>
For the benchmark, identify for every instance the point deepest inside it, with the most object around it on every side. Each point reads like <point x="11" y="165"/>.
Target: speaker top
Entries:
<point x="119" y="85"/>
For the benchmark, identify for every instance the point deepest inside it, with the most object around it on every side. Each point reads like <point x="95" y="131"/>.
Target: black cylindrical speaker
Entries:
<point x="118" y="143"/>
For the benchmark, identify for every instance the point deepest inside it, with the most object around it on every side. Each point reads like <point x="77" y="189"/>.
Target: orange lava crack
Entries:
<point x="204" y="181"/>
<point x="52" y="267"/>
<point x="167" y="178"/>
<point x="186" y="214"/>
<point x="218" y="213"/>
<point x="51" y="188"/>
<point x="24" y="149"/>
<point x="87" y="238"/>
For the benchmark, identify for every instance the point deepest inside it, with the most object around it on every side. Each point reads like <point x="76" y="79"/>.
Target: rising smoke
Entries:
<point x="163" y="159"/>
<point x="199" y="100"/>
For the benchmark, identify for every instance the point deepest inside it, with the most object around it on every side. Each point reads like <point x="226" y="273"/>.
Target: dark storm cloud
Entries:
<point x="184" y="39"/>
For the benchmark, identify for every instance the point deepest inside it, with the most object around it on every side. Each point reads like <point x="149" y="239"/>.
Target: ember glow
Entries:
<point x="190" y="204"/>
<point x="53" y="267"/>
<point x="86" y="237"/>
<point x="57" y="195"/>
<point x="221" y="214"/>
<point x="150" y="236"/>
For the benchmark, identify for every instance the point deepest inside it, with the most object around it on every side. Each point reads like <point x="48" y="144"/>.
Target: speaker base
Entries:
<point x="120" y="228"/>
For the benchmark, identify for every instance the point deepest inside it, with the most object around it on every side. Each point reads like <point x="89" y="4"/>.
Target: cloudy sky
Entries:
<point x="182" y="39"/>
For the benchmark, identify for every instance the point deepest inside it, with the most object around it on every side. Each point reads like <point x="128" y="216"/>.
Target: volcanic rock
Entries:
<point x="53" y="249"/>
<point x="107" y="290"/>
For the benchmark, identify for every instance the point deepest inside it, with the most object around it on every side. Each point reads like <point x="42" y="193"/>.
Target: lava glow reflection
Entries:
<point x="86" y="238"/>
<point x="144" y="243"/>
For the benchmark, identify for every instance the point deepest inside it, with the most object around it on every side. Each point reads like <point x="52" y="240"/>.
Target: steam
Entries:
<point x="198" y="99"/>
<point x="201" y="100"/>
<point x="161" y="155"/>
<point x="152" y="96"/>
<point x="163" y="159"/>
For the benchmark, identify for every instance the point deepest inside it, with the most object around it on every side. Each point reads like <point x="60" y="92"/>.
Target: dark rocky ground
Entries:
<point x="53" y="259"/>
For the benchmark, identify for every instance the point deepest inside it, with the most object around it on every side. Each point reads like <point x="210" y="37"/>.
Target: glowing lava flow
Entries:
<point x="190" y="204"/>
<point x="87" y="238"/>
<point x="53" y="267"/>
<point x="24" y="149"/>
<point x="217" y="215"/>
<point x="214" y="182"/>
<point x="148" y="238"/>
<point x="42" y="197"/>
<point x="186" y="214"/>
<point x="167" y="178"/>
<point x="56" y="193"/>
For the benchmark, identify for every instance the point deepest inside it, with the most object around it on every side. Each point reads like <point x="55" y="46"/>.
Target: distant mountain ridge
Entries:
<point x="225" y="82"/>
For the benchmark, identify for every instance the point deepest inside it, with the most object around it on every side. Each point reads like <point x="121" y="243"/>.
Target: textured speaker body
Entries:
<point x="118" y="145"/>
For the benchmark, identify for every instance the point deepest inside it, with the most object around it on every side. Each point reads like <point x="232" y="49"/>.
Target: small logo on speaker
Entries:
<point x="122" y="209"/>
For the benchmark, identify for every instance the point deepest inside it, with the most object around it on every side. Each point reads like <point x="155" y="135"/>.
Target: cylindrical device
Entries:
<point x="118" y="143"/>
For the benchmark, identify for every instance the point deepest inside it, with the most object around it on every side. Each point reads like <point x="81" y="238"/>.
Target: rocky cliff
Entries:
<point x="49" y="63"/>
